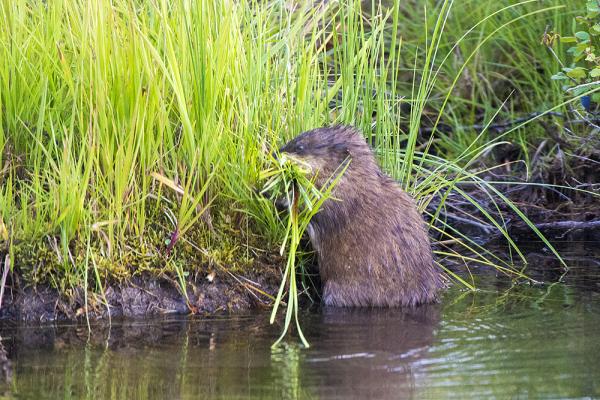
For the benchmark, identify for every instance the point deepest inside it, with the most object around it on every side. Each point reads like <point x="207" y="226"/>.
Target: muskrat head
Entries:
<point x="324" y="152"/>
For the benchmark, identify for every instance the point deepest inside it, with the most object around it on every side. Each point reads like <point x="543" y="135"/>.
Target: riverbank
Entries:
<point x="142" y="296"/>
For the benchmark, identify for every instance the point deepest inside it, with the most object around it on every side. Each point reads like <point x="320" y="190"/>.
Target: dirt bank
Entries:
<point x="142" y="297"/>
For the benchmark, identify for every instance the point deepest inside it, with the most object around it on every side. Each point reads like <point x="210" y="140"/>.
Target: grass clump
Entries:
<point x="294" y="180"/>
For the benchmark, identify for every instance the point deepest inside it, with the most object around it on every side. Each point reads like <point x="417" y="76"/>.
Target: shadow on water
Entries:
<point x="503" y="341"/>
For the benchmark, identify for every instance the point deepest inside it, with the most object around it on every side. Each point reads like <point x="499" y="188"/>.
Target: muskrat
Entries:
<point x="372" y="245"/>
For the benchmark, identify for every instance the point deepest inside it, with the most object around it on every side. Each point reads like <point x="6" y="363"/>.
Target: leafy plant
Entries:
<point x="584" y="51"/>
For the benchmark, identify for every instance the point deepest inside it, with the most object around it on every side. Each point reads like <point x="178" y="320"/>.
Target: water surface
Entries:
<point x="505" y="341"/>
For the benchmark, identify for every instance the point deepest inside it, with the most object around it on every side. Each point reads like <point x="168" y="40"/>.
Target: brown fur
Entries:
<point x="372" y="245"/>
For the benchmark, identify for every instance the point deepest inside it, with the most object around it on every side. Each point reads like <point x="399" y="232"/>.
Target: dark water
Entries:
<point x="502" y="342"/>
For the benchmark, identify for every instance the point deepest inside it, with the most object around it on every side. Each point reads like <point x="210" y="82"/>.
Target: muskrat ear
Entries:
<point x="342" y="149"/>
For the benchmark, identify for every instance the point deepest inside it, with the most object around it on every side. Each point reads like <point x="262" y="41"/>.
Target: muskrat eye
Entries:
<point x="300" y="148"/>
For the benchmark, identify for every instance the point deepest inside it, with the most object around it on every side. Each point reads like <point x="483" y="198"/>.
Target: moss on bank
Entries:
<point x="202" y="273"/>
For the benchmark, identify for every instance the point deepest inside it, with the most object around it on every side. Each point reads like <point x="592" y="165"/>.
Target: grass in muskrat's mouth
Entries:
<point x="291" y="177"/>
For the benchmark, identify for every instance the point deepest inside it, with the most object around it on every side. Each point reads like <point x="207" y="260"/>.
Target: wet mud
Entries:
<point x="142" y="297"/>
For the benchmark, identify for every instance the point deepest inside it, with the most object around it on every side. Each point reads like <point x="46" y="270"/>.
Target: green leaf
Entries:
<point x="577" y="73"/>
<point x="593" y="6"/>
<point x="596" y="28"/>
<point x="596" y="97"/>
<point x="559" y="76"/>
<point x="580" y="90"/>
<point x="577" y="50"/>
<point x="595" y="72"/>
<point x="568" y="39"/>
<point x="583" y="36"/>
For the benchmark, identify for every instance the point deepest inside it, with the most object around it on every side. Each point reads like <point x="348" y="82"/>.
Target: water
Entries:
<point x="502" y="342"/>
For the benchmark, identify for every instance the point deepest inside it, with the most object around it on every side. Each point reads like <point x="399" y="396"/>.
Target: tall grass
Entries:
<point x="130" y="124"/>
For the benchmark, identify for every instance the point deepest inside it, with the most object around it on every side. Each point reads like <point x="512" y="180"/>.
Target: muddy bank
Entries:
<point x="559" y="213"/>
<point x="142" y="297"/>
<point x="573" y="223"/>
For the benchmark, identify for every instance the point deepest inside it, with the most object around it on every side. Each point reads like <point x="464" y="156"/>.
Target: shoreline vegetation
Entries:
<point x="134" y="136"/>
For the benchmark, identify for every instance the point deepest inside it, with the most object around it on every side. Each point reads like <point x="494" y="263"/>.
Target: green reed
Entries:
<point x="293" y="179"/>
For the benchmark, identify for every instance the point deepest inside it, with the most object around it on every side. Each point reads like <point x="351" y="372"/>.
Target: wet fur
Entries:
<point x="372" y="245"/>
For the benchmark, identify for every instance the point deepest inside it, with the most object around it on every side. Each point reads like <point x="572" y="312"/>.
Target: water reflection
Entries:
<point x="374" y="351"/>
<point x="6" y="371"/>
